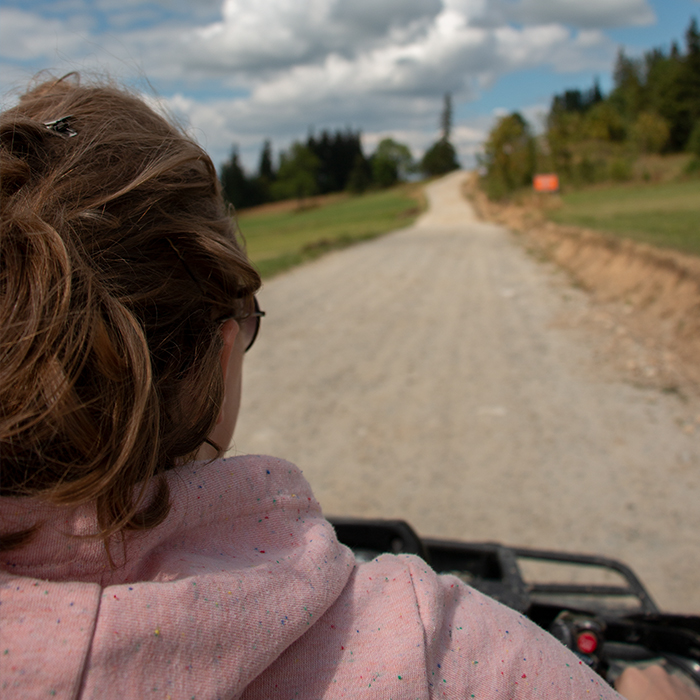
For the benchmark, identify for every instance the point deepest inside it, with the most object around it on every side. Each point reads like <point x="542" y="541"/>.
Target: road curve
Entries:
<point x="431" y="375"/>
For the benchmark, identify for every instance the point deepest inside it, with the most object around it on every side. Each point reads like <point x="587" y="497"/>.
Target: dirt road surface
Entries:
<point x="435" y="375"/>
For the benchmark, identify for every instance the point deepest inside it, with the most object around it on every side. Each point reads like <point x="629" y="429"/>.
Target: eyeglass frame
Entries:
<point x="257" y="314"/>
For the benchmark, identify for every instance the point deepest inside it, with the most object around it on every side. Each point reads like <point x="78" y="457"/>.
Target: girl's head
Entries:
<point x="118" y="262"/>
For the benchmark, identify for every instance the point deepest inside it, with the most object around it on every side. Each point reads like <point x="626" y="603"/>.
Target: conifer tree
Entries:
<point x="233" y="180"/>
<point x="441" y="157"/>
<point x="266" y="169"/>
<point x="446" y="117"/>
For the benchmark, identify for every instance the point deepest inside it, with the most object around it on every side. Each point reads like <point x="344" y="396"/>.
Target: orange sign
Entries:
<point x="546" y="183"/>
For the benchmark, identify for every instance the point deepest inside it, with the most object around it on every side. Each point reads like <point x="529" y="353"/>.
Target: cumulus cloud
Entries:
<point x="253" y="36"/>
<point x="385" y="47"/>
<point x="27" y="36"/>
<point x="591" y="14"/>
<point x="588" y="14"/>
<point x="241" y="69"/>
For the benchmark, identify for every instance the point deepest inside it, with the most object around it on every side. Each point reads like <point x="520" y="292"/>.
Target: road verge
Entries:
<point x="652" y="293"/>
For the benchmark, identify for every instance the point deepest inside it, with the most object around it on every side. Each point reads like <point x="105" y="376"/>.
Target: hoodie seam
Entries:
<point x="82" y="676"/>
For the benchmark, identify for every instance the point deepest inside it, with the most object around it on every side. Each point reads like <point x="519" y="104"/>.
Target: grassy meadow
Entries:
<point x="283" y="235"/>
<point x="662" y="214"/>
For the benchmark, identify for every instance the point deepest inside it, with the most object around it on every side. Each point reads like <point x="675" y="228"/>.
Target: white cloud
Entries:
<point x="25" y="35"/>
<point x="401" y="46"/>
<point x="279" y="67"/>
<point x="587" y="14"/>
<point x="254" y="36"/>
<point x="310" y="71"/>
<point x="582" y="14"/>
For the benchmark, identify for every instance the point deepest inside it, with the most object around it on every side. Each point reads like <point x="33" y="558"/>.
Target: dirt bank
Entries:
<point x="647" y="297"/>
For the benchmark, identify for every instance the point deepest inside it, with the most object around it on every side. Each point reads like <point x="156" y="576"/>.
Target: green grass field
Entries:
<point x="278" y="240"/>
<point x="665" y="215"/>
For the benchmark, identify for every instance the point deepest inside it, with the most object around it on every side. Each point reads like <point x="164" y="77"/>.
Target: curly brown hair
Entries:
<point x="117" y="258"/>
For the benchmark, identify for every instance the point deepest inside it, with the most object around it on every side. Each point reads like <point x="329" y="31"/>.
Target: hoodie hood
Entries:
<point x="192" y="608"/>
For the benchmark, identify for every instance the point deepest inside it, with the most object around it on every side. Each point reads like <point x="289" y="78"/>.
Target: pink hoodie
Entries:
<point x="245" y="592"/>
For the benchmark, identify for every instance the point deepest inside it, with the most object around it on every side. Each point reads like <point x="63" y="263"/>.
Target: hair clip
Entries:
<point x="62" y="127"/>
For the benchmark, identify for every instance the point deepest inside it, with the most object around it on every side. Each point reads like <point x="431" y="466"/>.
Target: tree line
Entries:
<point x="333" y="162"/>
<point x="654" y="107"/>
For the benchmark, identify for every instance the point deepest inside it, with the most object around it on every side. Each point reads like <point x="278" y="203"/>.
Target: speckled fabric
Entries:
<point x="244" y="591"/>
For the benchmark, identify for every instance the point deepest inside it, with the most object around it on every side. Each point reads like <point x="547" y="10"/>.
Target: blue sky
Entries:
<point x="240" y="71"/>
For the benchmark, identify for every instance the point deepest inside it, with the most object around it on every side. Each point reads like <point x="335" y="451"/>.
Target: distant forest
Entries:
<point x="653" y="108"/>
<point x="333" y="162"/>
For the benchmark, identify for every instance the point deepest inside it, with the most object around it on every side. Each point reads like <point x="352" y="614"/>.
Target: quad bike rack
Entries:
<point x="607" y="626"/>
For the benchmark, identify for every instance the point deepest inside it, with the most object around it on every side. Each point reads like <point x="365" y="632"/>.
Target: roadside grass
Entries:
<point x="666" y="215"/>
<point x="278" y="240"/>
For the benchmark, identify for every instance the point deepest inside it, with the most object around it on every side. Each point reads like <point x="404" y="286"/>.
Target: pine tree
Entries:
<point x="692" y="71"/>
<point x="627" y="96"/>
<point x="360" y="177"/>
<point x="337" y="154"/>
<point x="266" y="169"/>
<point x="233" y="180"/>
<point x="446" y="117"/>
<point x="441" y="157"/>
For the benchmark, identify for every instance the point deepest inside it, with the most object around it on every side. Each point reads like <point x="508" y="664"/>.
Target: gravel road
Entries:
<point x="435" y="375"/>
